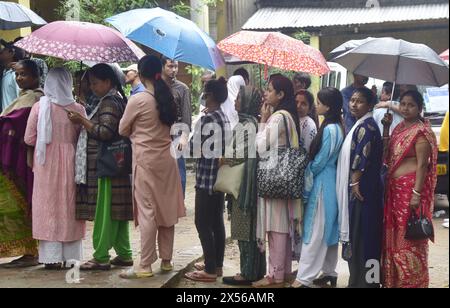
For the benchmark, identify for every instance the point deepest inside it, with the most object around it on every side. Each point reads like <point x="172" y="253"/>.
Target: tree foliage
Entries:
<point x="96" y="11"/>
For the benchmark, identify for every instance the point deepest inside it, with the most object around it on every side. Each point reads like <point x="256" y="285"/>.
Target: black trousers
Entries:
<point x="211" y="228"/>
<point x="357" y="263"/>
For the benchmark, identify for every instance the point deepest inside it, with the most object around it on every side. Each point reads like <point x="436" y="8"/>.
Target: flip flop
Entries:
<point x="199" y="276"/>
<point x="132" y="274"/>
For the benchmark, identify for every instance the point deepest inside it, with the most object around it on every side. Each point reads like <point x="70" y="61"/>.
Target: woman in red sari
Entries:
<point x="410" y="185"/>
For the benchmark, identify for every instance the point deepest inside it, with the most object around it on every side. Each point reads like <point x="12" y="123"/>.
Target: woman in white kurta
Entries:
<point x="278" y="219"/>
<point x="54" y="191"/>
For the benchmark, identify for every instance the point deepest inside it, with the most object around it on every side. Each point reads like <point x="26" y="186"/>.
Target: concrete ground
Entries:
<point x="187" y="251"/>
<point x="438" y="264"/>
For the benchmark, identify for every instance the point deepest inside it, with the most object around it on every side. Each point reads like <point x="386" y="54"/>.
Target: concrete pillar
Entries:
<point x="222" y="29"/>
<point x="12" y="34"/>
<point x="315" y="86"/>
<point x="200" y="14"/>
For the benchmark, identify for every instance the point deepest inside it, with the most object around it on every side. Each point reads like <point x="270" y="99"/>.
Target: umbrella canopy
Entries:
<point x="169" y="34"/>
<point x="14" y="16"/>
<point x="275" y="49"/>
<point x="444" y="55"/>
<point x="81" y="41"/>
<point x="397" y="61"/>
<point x="347" y="46"/>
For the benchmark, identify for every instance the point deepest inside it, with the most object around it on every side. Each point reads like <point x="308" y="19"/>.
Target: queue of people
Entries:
<point x="83" y="156"/>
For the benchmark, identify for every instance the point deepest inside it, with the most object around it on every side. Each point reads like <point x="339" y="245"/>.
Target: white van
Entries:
<point x="340" y="78"/>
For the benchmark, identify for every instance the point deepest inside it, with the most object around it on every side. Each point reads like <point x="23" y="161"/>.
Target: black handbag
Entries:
<point x="285" y="177"/>
<point x="419" y="227"/>
<point x="114" y="158"/>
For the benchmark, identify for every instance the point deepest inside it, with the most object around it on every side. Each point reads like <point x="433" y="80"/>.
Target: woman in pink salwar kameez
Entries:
<point x="157" y="191"/>
<point x="55" y="137"/>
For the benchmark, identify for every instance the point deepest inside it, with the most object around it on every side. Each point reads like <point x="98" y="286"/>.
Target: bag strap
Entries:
<point x="288" y="142"/>
<point x="413" y="213"/>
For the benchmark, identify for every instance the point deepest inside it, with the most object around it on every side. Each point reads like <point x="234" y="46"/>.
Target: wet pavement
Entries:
<point x="187" y="251"/>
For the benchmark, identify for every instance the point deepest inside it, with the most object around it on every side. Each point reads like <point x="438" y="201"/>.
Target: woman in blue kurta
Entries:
<point x="365" y="193"/>
<point x="321" y="236"/>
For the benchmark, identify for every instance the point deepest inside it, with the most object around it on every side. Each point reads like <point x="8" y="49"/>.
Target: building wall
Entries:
<point x="238" y="12"/>
<point x="229" y="16"/>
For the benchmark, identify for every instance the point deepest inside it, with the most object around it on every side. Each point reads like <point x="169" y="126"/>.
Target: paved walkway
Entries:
<point x="187" y="251"/>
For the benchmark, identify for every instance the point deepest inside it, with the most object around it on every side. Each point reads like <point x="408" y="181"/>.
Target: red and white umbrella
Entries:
<point x="276" y="50"/>
<point x="81" y="41"/>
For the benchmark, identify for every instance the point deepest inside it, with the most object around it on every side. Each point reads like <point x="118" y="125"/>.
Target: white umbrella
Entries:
<point x="14" y="16"/>
<point x="397" y="61"/>
<point x="347" y="46"/>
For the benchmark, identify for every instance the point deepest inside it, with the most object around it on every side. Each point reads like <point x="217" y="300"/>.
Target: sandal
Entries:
<point x="22" y="262"/>
<point x="54" y="267"/>
<point x="200" y="266"/>
<point x="268" y="282"/>
<point x="236" y="280"/>
<point x="94" y="265"/>
<point x="118" y="261"/>
<point x="200" y="276"/>
<point x="132" y="274"/>
<point x="166" y="267"/>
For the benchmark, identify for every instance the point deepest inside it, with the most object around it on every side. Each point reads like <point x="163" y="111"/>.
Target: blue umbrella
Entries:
<point x="14" y="16"/>
<point x="171" y="35"/>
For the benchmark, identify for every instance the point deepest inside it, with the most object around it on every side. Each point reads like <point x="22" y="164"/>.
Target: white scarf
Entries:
<point x="234" y="85"/>
<point x="57" y="90"/>
<point x="342" y="181"/>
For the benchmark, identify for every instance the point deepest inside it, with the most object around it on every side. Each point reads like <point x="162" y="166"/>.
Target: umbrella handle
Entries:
<point x="80" y="81"/>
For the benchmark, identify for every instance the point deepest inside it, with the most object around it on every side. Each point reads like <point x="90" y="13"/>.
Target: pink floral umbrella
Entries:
<point x="81" y="41"/>
<point x="275" y="49"/>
